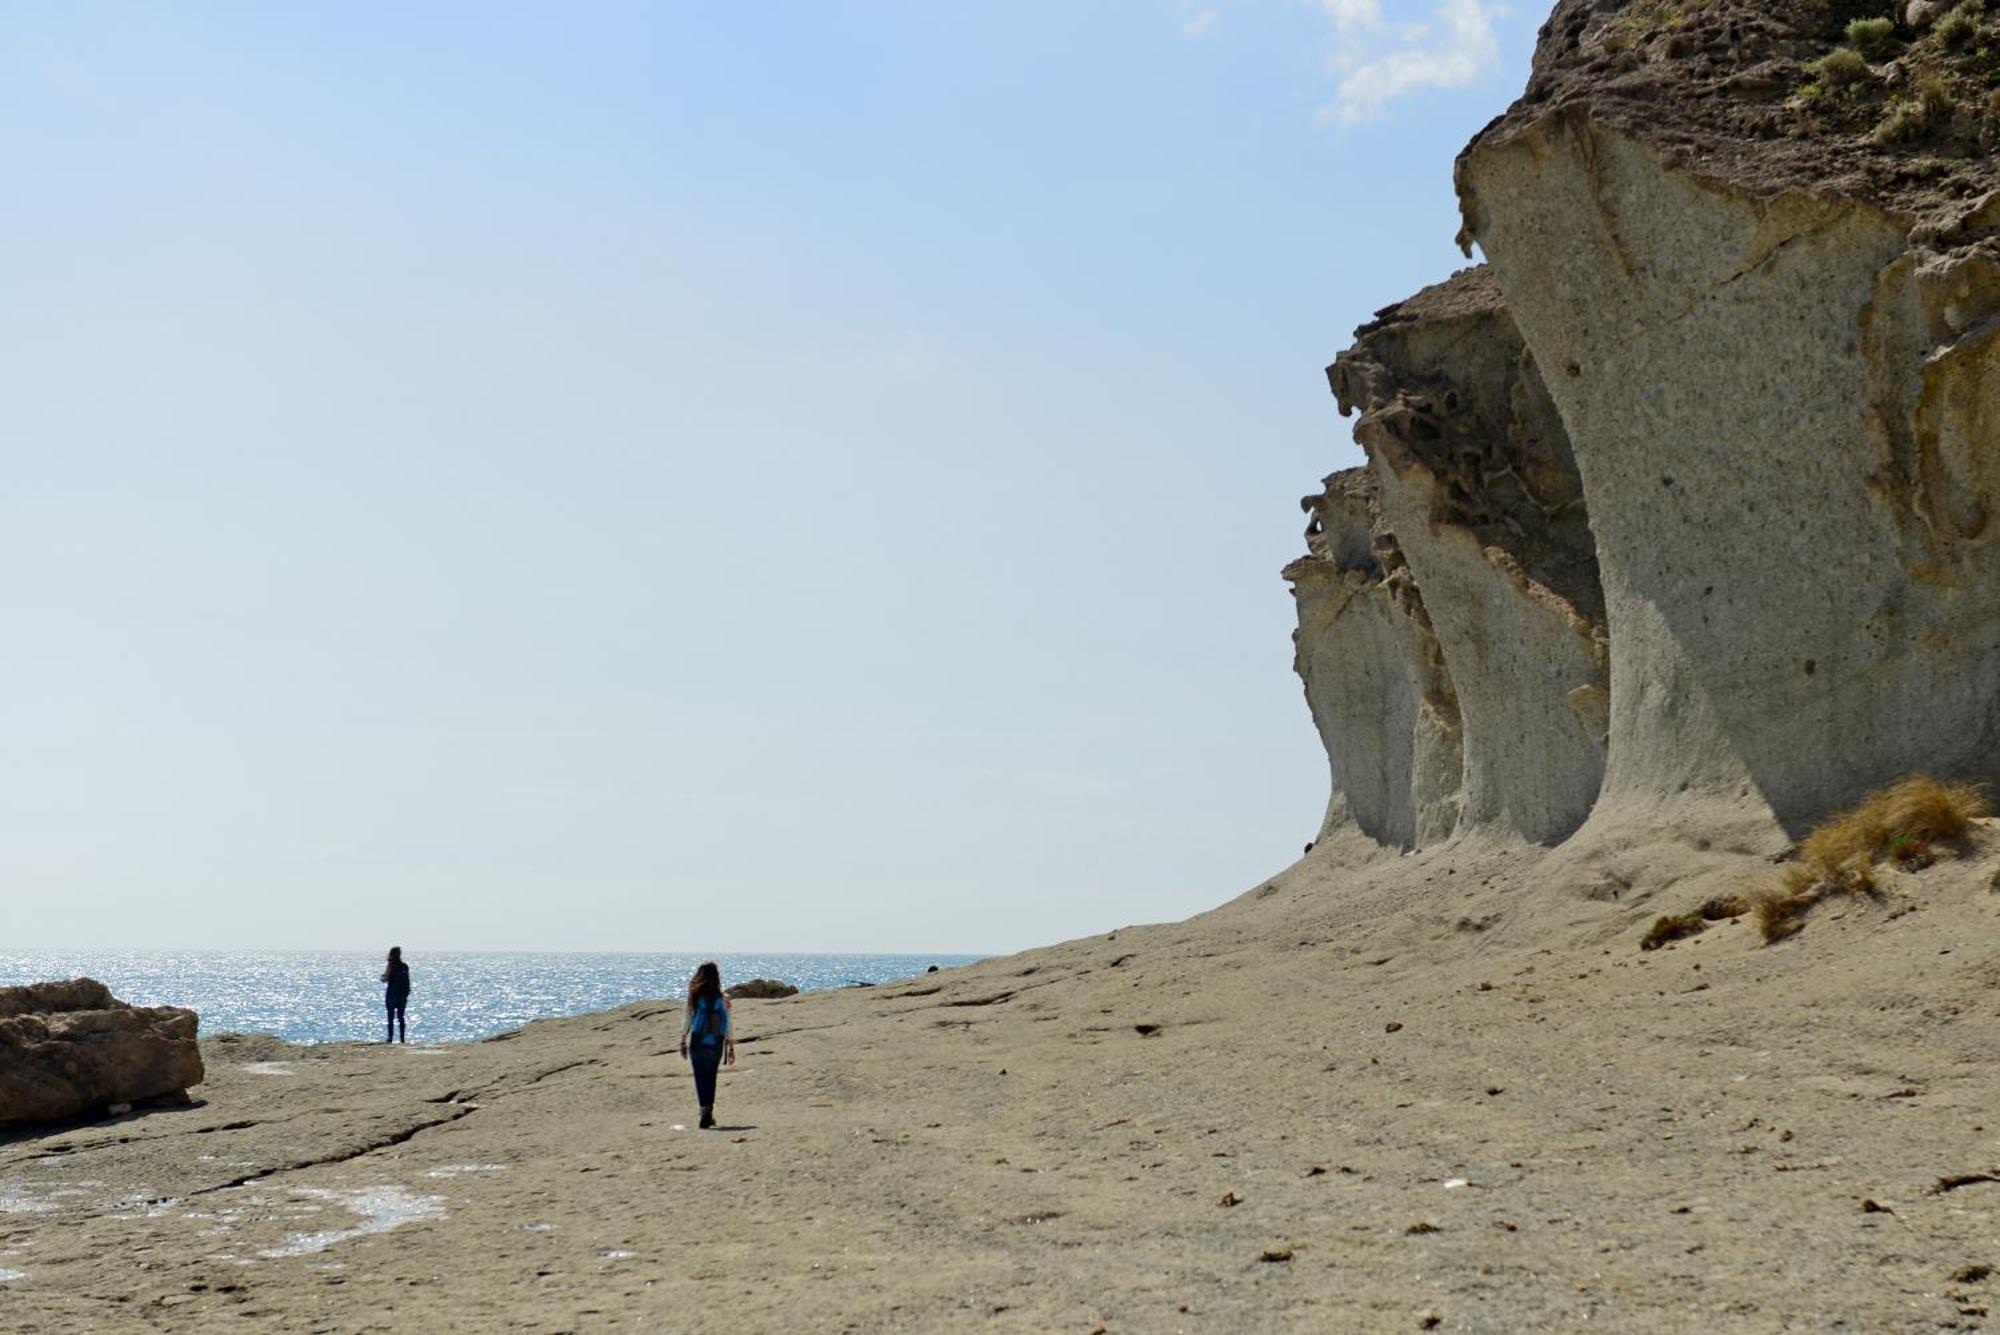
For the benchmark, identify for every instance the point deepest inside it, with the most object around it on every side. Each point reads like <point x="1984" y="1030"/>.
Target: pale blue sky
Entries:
<point x="668" y="477"/>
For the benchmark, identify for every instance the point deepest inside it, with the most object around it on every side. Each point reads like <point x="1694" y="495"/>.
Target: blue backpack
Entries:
<point x="711" y="1021"/>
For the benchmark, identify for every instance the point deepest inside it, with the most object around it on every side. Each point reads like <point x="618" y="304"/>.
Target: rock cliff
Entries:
<point x="1694" y="480"/>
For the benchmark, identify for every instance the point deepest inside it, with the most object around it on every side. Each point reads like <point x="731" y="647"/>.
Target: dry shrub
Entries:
<point x="1841" y="65"/>
<point x="1956" y="28"/>
<point x="1916" y="118"/>
<point x="1871" y="37"/>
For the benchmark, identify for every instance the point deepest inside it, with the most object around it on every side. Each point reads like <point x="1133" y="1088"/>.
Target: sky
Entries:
<point x="681" y="476"/>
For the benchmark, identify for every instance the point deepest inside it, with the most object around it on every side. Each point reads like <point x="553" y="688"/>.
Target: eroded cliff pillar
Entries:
<point x="1374" y="676"/>
<point x="1476" y="483"/>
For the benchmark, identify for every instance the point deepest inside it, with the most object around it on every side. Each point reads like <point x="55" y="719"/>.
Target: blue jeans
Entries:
<point x="705" y="1060"/>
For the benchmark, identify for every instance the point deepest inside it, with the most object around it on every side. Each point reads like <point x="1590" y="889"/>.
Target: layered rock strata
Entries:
<point x="1754" y="278"/>
<point x="71" y="1049"/>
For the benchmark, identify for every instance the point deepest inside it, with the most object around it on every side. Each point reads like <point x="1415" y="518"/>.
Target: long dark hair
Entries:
<point x="707" y="982"/>
<point x="395" y="956"/>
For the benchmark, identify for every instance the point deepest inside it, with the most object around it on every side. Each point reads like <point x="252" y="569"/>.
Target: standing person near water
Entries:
<point x="707" y="1039"/>
<point x="397" y="994"/>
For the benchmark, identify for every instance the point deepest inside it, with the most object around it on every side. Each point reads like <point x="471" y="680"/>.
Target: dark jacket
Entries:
<point x="398" y="979"/>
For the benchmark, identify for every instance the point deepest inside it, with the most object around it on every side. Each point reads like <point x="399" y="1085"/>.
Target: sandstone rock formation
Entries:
<point x="71" y="1049"/>
<point x="1756" y="296"/>
<point x="762" y="987"/>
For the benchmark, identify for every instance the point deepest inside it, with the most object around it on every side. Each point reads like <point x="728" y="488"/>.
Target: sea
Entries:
<point x="319" y="996"/>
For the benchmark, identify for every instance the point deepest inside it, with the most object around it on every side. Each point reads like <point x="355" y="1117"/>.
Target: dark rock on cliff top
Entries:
<point x="1782" y="95"/>
<point x="71" y="1049"/>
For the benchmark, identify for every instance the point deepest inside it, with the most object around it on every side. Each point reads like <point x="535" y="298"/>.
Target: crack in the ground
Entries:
<point x="999" y="997"/>
<point x="500" y="1092"/>
<point x="116" y="1142"/>
<point x="461" y="1110"/>
<point x="401" y="1137"/>
<point x="996" y="999"/>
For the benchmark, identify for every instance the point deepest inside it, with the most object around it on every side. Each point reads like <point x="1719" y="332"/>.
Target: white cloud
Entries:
<point x="1199" y="24"/>
<point x="1353" y="15"/>
<point x="1452" y="50"/>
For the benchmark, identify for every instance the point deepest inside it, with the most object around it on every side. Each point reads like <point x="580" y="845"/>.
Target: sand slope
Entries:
<point x="1673" y="1141"/>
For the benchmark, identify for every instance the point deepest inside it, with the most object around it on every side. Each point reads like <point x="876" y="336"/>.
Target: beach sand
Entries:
<point x="1436" y="1091"/>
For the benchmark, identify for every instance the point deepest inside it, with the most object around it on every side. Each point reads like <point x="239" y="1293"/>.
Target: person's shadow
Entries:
<point x="720" y="1127"/>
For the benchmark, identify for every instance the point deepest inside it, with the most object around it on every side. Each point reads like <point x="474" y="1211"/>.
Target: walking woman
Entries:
<point x="397" y="994"/>
<point x="707" y="1039"/>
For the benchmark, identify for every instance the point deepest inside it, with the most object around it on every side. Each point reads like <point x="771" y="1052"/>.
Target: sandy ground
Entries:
<point x="1439" y="1091"/>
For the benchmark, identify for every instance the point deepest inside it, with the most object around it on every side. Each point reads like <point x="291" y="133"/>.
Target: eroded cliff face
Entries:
<point x="1374" y="675"/>
<point x="1470" y="518"/>
<point x="1477" y="485"/>
<point x="1758" y="340"/>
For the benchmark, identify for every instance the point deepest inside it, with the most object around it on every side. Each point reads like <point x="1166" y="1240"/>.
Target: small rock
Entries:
<point x="1230" y="1200"/>
<point x="1875" y="1207"/>
<point x="1423" y="1226"/>
<point x="1970" y="1274"/>
<point x="1275" y="1254"/>
<point x="762" y="988"/>
<point x="1394" y="1026"/>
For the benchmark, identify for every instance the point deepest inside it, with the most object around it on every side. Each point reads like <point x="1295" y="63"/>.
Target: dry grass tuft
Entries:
<point x="1677" y="926"/>
<point x="1781" y="912"/>
<point x="1672" y="927"/>
<point x="1910" y="814"/>
<point x="1905" y="822"/>
<point x="1717" y="907"/>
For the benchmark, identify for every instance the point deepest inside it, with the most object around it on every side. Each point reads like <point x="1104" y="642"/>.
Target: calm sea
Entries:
<point x="311" y="996"/>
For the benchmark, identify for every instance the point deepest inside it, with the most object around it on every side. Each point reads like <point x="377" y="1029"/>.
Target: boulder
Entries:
<point x="758" y="988"/>
<point x="71" y="1049"/>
